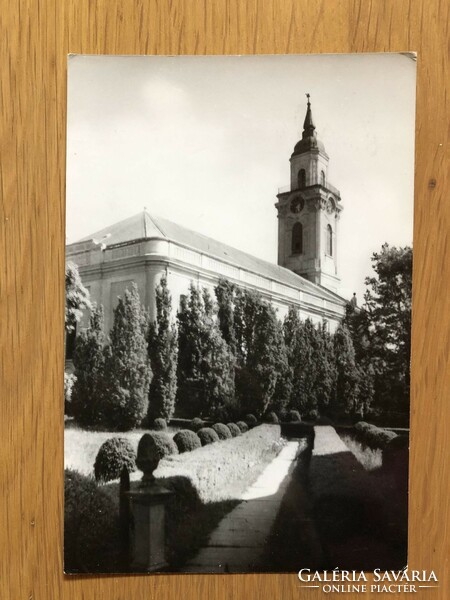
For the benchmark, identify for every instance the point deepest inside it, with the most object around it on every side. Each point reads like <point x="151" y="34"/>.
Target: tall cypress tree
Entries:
<point x="346" y="398"/>
<point x="88" y="394"/>
<point x="205" y="363"/>
<point x="127" y="364"/>
<point x="163" y="353"/>
<point x="225" y="296"/>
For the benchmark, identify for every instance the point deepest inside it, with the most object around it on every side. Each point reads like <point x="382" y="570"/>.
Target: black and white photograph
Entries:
<point x="238" y="285"/>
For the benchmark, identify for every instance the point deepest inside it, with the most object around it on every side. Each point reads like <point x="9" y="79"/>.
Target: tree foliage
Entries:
<point x="88" y="391"/>
<point x="77" y="298"/>
<point x="127" y="366"/>
<point x="205" y="362"/>
<point x="163" y="353"/>
<point x="381" y="331"/>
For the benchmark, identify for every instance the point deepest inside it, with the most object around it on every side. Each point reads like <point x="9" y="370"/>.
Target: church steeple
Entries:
<point x="308" y="212"/>
<point x="309" y="141"/>
<point x="308" y="124"/>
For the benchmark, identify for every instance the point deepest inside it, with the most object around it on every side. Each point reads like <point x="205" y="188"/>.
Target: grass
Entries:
<point x="81" y="446"/>
<point x="370" y="458"/>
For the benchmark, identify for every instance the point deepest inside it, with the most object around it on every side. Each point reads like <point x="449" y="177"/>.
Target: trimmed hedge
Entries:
<point x="271" y="417"/>
<point x="251" y="421"/>
<point x="186" y="441"/>
<point x="207" y="436"/>
<point x="242" y="426"/>
<point x="91" y="527"/>
<point x="373" y="436"/>
<point x="159" y="424"/>
<point x="197" y="424"/>
<point x="222" y="431"/>
<point x="113" y="455"/>
<point x="234" y="429"/>
<point x="293" y="416"/>
<point x="210" y="470"/>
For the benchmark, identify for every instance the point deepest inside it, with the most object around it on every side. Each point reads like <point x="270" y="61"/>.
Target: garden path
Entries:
<point x="238" y="542"/>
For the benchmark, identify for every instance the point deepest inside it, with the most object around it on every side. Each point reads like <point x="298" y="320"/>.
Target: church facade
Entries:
<point x="143" y="248"/>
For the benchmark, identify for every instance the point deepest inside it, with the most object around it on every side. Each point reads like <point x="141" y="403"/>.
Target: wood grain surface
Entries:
<point x="35" y="38"/>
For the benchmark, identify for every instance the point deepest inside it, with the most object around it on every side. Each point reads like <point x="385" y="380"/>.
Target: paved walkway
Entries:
<point x="238" y="543"/>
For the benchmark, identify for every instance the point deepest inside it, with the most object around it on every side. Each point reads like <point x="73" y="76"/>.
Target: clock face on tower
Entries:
<point x="297" y="204"/>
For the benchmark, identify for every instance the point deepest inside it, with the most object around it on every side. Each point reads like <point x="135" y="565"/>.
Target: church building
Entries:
<point x="144" y="247"/>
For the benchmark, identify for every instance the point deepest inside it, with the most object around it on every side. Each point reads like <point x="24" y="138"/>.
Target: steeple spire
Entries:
<point x="309" y="141"/>
<point x="309" y="129"/>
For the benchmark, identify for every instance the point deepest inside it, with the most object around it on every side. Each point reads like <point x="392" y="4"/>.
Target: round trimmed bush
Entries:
<point x="242" y="426"/>
<point x="207" y="436"/>
<point x="152" y="448"/>
<point x="113" y="455"/>
<point x="313" y="415"/>
<point x="197" y="424"/>
<point x="186" y="440"/>
<point x="234" y="429"/>
<point x="271" y="417"/>
<point x="283" y="415"/>
<point x="294" y="416"/>
<point x="222" y="431"/>
<point x="91" y="527"/>
<point x="159" y="424"/>
<point x="251" y="421"/>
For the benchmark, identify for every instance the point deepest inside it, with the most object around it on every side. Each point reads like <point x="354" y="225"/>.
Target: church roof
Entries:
<point x="144" y="226"/>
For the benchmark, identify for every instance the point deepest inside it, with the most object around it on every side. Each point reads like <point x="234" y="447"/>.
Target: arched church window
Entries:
<point x="301" y="179"/>
<point x="329" y="240"/>
<point x="322" y="178"/>
<point x="297" y="239"/>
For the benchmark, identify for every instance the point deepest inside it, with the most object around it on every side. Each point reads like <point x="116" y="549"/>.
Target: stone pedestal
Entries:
<point x="147" y="527"/>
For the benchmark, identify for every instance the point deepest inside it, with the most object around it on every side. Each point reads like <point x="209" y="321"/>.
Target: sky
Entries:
<point x="206" y="142"/>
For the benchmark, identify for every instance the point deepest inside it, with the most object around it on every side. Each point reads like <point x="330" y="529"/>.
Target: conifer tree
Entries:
<point x="127" y="366"/>
<point x="77" y="297"/>
<point x="163" y="353"/>
<point x="88" y="393"/>
<point x="225" y="295"/>
<point x="346" y="399"/>
<point x="205" y="363"/>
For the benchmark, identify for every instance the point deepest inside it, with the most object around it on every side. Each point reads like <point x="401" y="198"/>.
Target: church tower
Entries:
<point x="308" y="213"/>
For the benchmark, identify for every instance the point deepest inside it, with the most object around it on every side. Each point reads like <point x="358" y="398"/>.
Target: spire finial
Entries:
<point x="308" y="125"/>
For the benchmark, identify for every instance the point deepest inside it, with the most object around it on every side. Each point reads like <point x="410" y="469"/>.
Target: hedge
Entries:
<point x="271" y="417"/>
<point x="113" y="455"/>
<point x="211" y="469"/>
<point x="222" y="431"/>
<point x="373" y="436"/>
<point x="242" y="426"/>
<point x="251" y="421"/>
<point x="197" y="424"/>
<point x="159" y="424"/>
<point x="207" y="436"/>
<point x="234" y="429"/>
<point x="91" y="527"/>
<point x="186" y="440"/>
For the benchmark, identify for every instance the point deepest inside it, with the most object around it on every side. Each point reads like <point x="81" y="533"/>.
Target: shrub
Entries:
<point x="242" y="426"/>
<point x="251" y="421"/>
<point x="152" y="448"/>
<point x="197" y="424"/>
<point x="294" y="416"/>
<point x="234" y="429"/>
<point x="222" y="431"/>
<point x="186" y="440"/>
<point x="114" y="454"/>
<point x="207" y="436"/>
<point x="159" y="424"/>
<point x="373" y="436"/>
<point x="91" y="527"/>
<point x="313" y="415"/>
<point x="271" y="417"/>
<point x="283" y="416"/>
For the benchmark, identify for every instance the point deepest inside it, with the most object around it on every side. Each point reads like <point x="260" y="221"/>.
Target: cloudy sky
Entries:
<point x="206" y="141"/>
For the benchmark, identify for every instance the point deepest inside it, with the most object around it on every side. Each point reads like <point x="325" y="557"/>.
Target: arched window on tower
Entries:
<point x="329" y="240"/>
<point x="322" y="178"/>
<point x="297" y="239"/>
<point x="301" y="179"/>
